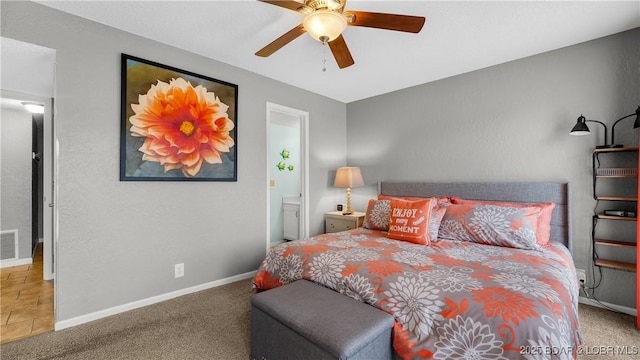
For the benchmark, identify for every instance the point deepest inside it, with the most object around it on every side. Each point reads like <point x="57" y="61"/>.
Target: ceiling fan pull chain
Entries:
<point x="324" y="57"/>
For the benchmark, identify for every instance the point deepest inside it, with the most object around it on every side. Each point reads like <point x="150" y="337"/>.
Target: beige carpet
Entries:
<point x="604" y="331"/>
<point x="210" y="324"/>
<point x="215" y="324"/>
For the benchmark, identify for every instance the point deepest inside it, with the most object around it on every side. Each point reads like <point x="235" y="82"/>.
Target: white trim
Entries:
<point x="275" y="243"/>
<point x="304" y="202"/>
<point x="59" y="325"/>
<point x="48" y="203"/>
<point x="18" y="262"/>
<point x="622" y="309"/>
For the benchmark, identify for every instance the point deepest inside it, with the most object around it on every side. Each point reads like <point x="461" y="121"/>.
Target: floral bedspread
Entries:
<point x="450" y="300"/>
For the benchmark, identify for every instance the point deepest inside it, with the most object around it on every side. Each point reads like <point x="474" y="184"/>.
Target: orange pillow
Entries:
<point x="410" y="220"/>
<point x="410" y="198"/>
<point x="437" y="212"/>
<point x="543" y="232"/>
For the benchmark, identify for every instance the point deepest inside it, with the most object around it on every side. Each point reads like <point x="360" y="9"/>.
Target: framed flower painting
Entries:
<point x="176" y="125"/>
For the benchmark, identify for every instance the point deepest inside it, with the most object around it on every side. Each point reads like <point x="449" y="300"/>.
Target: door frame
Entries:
<point x="49" y="192"/>
<point x="303" y="118"/>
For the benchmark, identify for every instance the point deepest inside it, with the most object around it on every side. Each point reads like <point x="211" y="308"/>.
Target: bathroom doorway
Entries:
<point x="287" y="179"/>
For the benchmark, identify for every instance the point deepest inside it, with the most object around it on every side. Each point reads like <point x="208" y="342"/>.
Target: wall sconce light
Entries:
<point x="348" y="177"/>
<point x="636" y="125"/>
<point x="581" y="128"/>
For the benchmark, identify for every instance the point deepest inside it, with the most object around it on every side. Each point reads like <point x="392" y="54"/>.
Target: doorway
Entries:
<point x="28" y="75"/>
<point x="287" y="174"/>
<point x="27" y="192"/>
<point x="25" y="198"/>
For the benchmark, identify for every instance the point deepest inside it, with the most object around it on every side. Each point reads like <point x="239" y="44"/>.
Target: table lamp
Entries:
<point x="348" y="177"/>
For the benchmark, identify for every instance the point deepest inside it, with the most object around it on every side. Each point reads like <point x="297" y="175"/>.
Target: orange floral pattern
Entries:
<point x="509" y="305"/>
<point x="512" y="226"/>
<point x="450" y="300"/>
<point x="183" y="126"/>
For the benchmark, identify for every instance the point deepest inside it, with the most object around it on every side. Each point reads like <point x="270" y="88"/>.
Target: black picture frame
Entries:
<point x="176" y="125"/>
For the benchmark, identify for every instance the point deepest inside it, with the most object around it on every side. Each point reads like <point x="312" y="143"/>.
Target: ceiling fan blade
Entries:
<point x="341" y="52"/>
<point x="283" y="40"/>
<point x="406" y="23"/>
<point x="287" y="4"/>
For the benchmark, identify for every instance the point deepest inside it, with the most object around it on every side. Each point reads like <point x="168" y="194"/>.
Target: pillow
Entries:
<point x="439" y="208"/>
<point x="377" y="215"/>
<point x="437" y="214"/>
<point x="410" y="220"/>
<point x="508" y="226"/>
<point x="410" y="198"/>
<point x="544" y="221"/>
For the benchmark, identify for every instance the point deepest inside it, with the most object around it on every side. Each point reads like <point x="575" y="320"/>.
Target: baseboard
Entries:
<point x="276" y="243"/>
<point x="59" y="325"/>
<point x="622" y="309"/>
<point x="15" y="262"/>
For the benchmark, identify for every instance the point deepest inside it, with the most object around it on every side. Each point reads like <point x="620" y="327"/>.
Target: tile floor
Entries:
<point x="26" y="301"/>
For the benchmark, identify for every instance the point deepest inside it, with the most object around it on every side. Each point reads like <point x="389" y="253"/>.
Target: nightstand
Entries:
<point x="334" y="221"/>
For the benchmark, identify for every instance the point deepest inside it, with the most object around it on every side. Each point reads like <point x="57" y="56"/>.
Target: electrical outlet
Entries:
<point x="179" y="270"/>
<point x="582" y="276"/>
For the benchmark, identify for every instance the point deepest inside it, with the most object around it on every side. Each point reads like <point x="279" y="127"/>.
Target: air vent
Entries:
<point x="9" y="244"/>
<point x="622" y="172"/>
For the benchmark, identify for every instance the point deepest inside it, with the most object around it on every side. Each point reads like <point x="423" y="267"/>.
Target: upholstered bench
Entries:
<point x="303" y="320"/>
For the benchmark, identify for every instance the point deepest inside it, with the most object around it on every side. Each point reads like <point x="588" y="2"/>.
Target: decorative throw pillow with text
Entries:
<point x="410" y="220"/>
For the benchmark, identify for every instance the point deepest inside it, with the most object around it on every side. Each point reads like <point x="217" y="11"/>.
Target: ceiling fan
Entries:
<point x="325" y="20"/>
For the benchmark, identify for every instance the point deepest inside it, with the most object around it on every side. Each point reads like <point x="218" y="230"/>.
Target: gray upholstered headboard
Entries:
<point x="526" y="192"/>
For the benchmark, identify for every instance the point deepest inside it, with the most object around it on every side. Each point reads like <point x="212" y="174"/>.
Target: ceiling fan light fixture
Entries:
<point x="334" y="4"/>
<point x="304" y="9"/>
<point x="324" y="24"/>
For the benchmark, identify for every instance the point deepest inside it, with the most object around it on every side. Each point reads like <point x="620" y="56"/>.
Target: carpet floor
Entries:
<point x="215" y="324"/>
<point x="210" y="324"/>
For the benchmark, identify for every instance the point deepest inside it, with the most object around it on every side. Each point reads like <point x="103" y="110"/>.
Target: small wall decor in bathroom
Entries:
<point x="282" y="166"/>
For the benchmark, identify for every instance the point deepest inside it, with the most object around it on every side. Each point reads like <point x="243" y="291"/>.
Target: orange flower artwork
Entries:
<point x="183" y="126"/>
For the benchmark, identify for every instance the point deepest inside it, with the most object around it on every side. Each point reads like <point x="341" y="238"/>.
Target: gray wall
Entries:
<point x="118" y="241"/>
<point x="509" y="122"/>
<point x="15" y="171"/>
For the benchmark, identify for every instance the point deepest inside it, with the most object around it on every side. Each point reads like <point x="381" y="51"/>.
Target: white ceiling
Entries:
<point x="458" y="37"/>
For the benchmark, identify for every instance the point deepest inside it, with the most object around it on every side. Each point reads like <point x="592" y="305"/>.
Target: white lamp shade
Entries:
<point x="348" y="177"/>
<point x="324" y="22"/>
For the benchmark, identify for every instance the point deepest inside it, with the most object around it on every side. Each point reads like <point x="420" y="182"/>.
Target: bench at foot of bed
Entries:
<point x="303" y="320"/>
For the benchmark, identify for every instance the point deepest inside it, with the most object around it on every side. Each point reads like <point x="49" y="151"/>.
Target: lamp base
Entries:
<point x="617" y="146"/>
<point x="347" y="212"/>
<point x="604" y="147"/>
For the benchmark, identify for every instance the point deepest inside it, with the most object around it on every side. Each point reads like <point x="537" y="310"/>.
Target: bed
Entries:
<point x="454" y="297"/>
